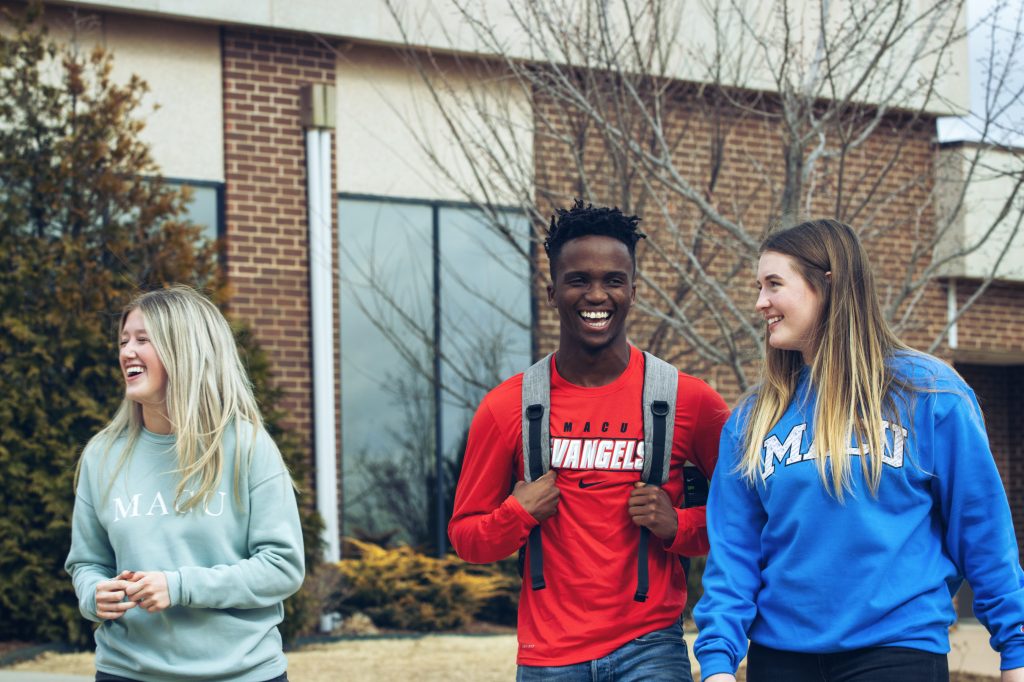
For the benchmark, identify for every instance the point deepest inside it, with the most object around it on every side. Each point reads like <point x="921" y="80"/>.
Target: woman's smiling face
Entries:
<point x="145" y="378"/>
<point x="791" y="308"/>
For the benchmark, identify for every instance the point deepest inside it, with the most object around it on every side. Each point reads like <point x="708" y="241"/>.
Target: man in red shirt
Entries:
<point x="585" y="624"/>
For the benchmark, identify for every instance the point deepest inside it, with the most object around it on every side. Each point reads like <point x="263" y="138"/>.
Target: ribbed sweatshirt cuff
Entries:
<point x="173" y="587"/>
<point x="1012" y="656"/>
<point x="87" y="605"/>
<point x="513" y="504"/>
<point x="714" y="662"/>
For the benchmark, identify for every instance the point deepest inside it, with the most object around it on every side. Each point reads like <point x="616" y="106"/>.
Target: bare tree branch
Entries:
<point x="843" y="115"/>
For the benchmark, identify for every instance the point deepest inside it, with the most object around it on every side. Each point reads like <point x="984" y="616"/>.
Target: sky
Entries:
<point x="996" y="50"/>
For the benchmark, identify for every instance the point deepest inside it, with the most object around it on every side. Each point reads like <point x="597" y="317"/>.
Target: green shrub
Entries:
<point x="399" y="588"/>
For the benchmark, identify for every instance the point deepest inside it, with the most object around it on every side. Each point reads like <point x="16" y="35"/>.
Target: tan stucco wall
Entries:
<point x="990" y="191"/>
<point x="392" y="139"/>
<point x="750" y="35"/>
<point x="181" y="64"/>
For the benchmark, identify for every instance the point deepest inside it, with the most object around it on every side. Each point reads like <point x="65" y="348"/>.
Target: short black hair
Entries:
<point x="583" y="220"/>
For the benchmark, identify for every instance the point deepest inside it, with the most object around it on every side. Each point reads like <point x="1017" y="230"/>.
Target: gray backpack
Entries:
<point x="659" y="401"/>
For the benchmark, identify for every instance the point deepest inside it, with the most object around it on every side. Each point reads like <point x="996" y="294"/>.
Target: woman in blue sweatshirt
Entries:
<point x="856" y="490"/>
<point x="185" y="536"/>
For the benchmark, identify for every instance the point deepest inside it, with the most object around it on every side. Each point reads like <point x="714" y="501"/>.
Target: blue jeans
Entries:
<point x="874" y="664"/>
<point x="658" y="656"/>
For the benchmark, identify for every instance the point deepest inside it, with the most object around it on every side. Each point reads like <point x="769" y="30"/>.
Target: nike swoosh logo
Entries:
<point x="591" y="484"/>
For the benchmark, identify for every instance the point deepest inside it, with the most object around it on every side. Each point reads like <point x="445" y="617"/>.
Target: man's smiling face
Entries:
<point x="593" y="290"/>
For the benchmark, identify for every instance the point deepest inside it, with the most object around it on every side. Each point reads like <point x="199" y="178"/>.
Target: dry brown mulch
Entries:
<point x="8" y="647"/>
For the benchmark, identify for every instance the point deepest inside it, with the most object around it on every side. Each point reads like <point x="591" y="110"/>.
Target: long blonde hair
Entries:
<point x="856" y="388"/>
<point x="208" y="390"/>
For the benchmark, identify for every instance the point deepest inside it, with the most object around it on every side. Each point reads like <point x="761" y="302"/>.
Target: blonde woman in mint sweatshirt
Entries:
<point x="186" y="536"/>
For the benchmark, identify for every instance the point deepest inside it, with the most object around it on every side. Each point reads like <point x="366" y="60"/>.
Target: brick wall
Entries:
<point x="1000" y="391"/>
<point x="995" y="322"/>
<point x="885" y="193"/>
<point x="266" y="203"/>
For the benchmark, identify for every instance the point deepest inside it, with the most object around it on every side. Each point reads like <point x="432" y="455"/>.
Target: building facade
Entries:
<point x="416" y="280"/>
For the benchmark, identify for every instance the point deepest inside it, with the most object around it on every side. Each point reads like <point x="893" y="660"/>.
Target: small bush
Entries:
<point x="402" y="589"/>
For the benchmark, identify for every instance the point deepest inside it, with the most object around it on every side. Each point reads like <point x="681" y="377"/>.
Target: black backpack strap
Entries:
<point x="536" y="403"/>
<point x="661" y="381"/>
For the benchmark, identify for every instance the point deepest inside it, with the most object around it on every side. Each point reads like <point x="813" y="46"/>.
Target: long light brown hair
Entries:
<point x="856" y="388"/>
<point x="208" y="390"/>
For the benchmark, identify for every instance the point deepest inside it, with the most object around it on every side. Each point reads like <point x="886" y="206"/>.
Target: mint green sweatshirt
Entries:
<point x="229" y="563"/>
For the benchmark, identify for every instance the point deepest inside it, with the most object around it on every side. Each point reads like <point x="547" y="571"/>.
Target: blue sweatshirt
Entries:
<point x="792" y="568"/>
<point x="229" y="565"/>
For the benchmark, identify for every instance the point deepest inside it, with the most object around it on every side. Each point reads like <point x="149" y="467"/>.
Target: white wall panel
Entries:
<point x="988" y="191"/>
<point x="393" y="141"/>
<point x="181" y="63"/>
<point x="749" y="34"/>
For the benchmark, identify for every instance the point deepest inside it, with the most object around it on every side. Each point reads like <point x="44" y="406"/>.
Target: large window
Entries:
<point x="428" y="291"/>
<point x="206" y="206"/>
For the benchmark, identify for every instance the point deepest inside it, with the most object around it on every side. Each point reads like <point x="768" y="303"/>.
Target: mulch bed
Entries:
<point x="7" y="647"/>
<point x="15" y="651"/>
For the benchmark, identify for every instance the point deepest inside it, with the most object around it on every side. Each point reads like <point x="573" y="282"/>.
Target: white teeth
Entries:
<point x="595" y="315"/>
<point x="773" y="320"/>
<point x="133" y="370"/>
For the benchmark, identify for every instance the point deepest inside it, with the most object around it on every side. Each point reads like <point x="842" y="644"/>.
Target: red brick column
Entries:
<point x="265" y="200"/>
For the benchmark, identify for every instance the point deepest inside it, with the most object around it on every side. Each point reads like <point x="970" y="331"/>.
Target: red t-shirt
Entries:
<point x="590" y="544"/>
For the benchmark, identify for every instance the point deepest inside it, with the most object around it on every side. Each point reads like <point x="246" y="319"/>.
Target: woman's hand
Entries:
<point x="110" y="596"/>
<point x="148" y="589"/>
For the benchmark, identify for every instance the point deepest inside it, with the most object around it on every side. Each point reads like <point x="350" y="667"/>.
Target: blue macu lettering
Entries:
<point x="789" y="451"/>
